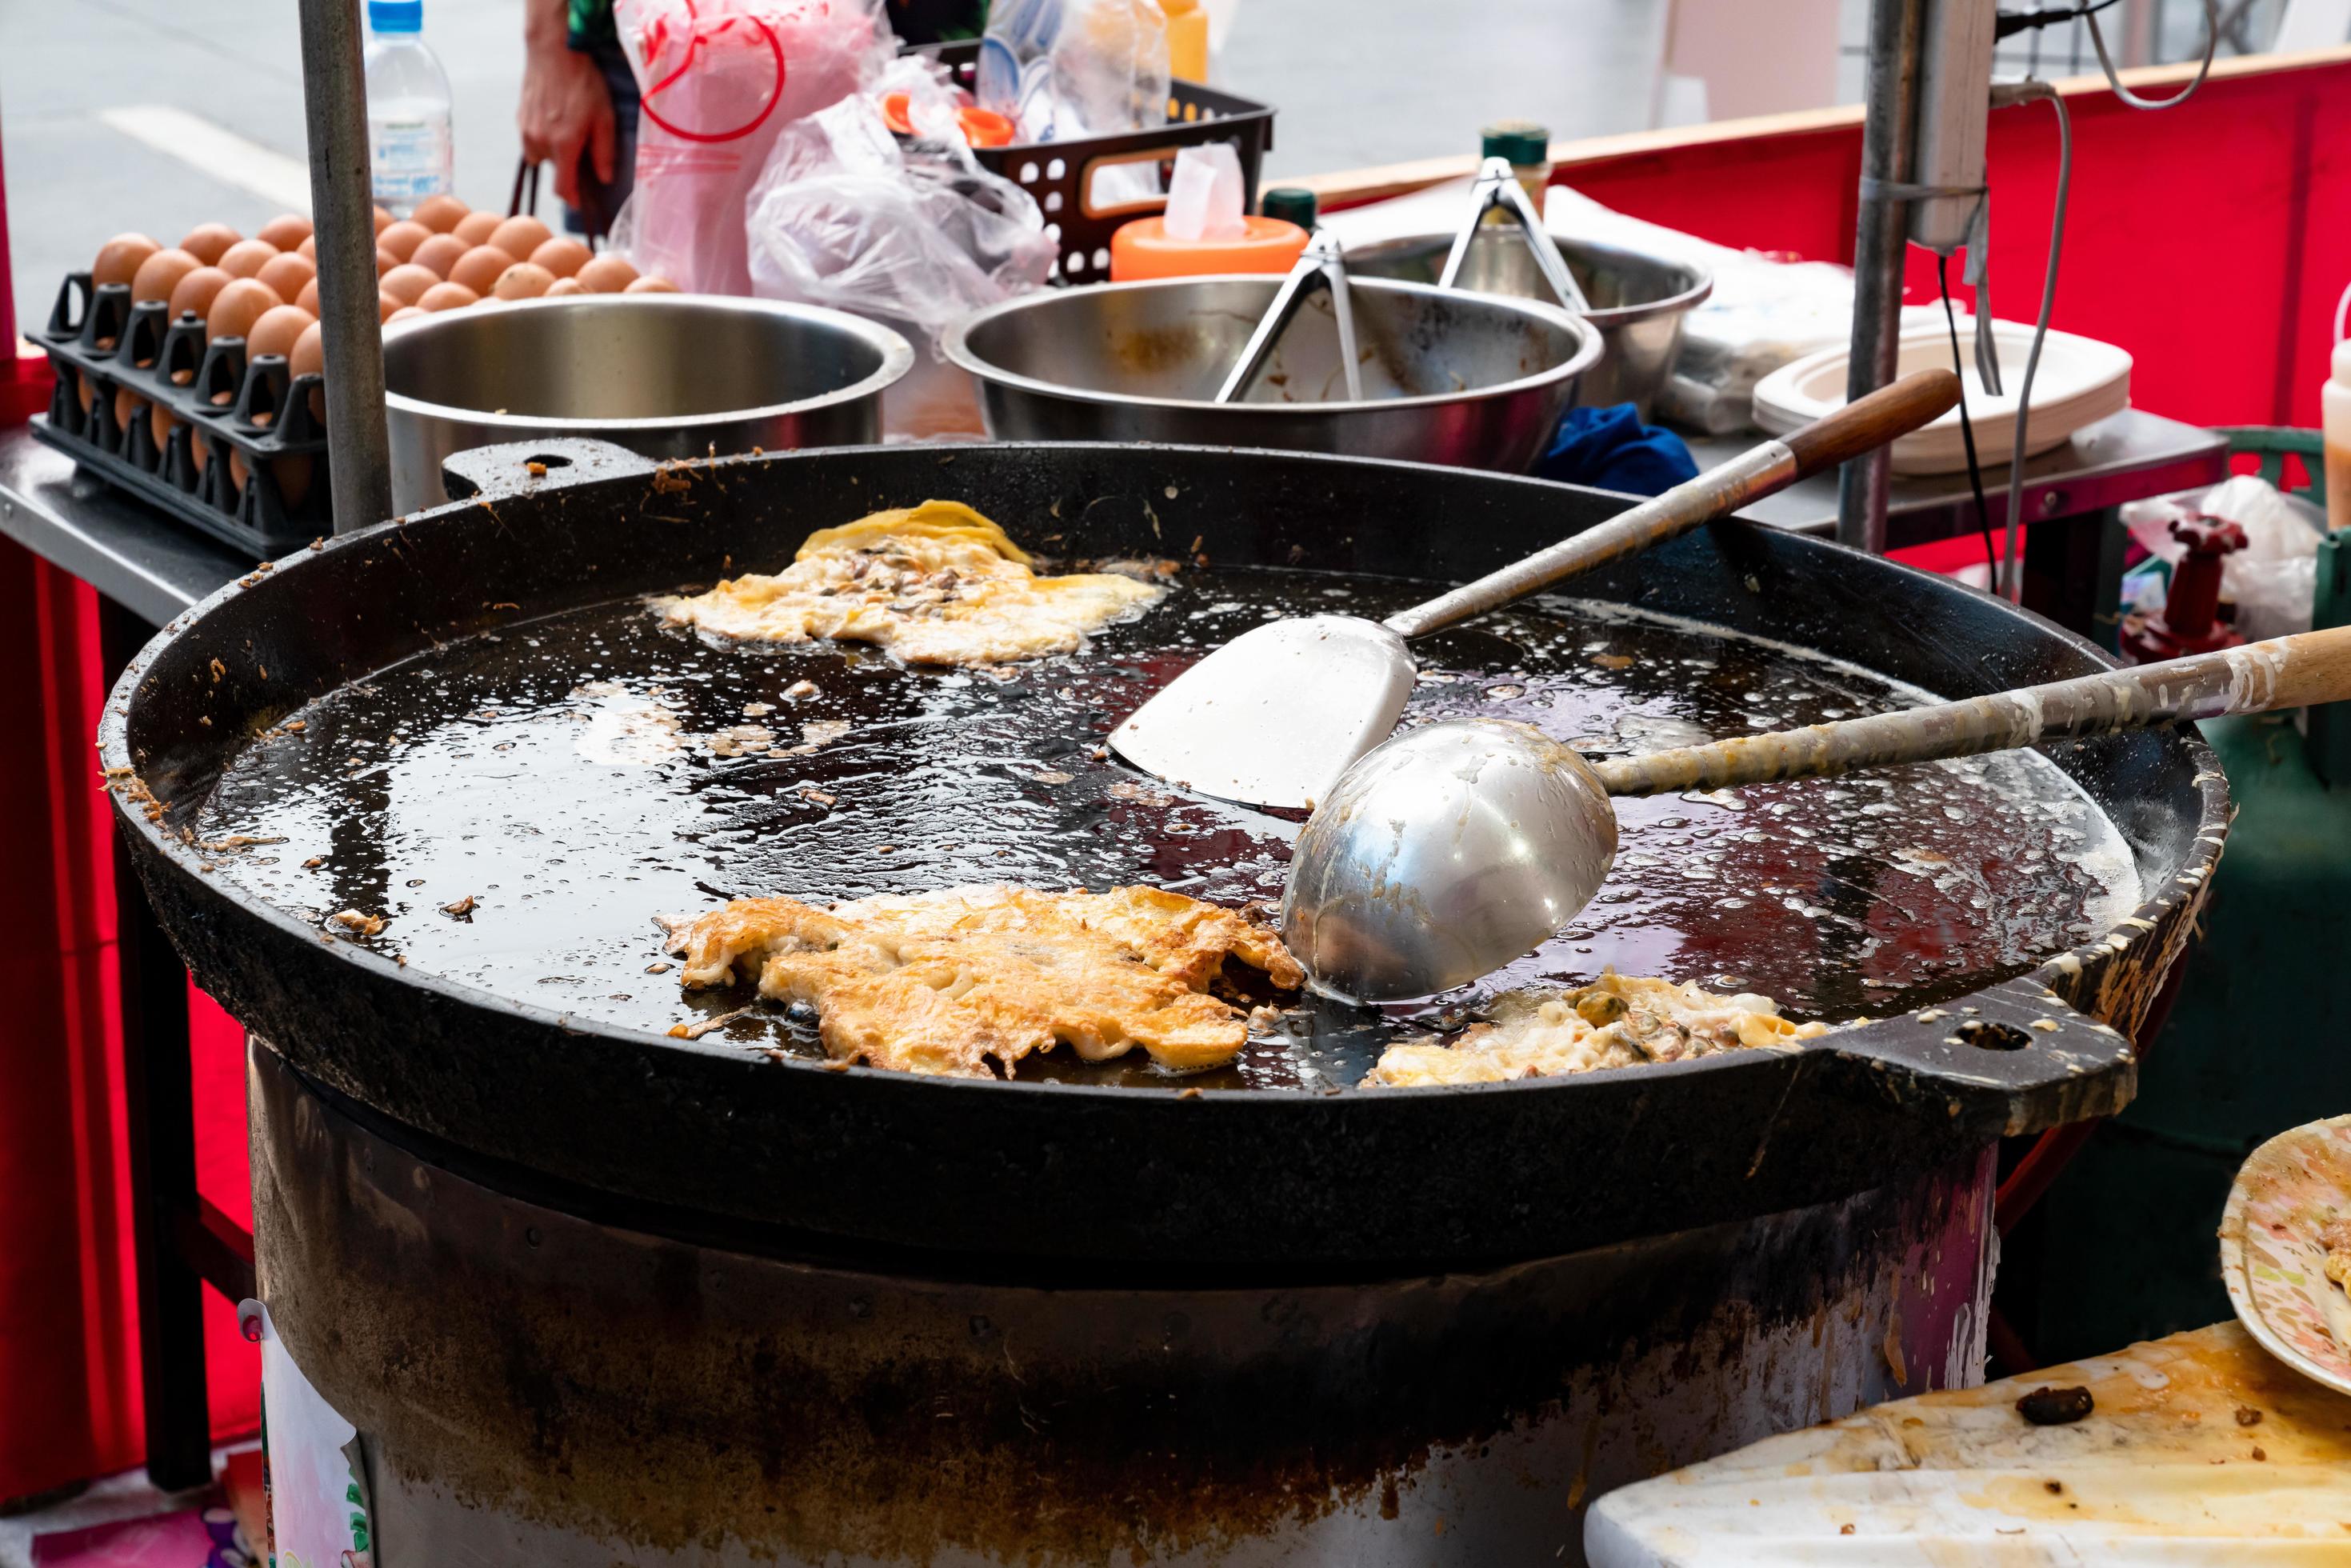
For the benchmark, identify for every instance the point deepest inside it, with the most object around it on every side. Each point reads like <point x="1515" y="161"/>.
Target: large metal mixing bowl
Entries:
<point x="668" y="375"/>
<point x="1639" y="302"/>
<point x="1469" y="380"/>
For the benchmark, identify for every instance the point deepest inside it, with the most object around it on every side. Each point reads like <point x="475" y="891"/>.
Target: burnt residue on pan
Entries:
<point x="518" y="807"/>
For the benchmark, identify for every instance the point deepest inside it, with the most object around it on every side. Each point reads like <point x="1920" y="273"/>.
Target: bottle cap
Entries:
<point x="396" y="15"/>
<point x="1521" y="141"/>
<point x="1290" y="204"/>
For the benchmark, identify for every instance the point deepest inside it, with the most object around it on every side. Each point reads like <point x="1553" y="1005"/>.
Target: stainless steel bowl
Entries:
<point x="1470" y="380"/>
<point x="1640" y="302"/>
<point x="669" y="376"/>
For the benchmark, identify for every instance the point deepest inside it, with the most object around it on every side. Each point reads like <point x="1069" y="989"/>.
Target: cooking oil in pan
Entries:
<point x="518" y="809"/>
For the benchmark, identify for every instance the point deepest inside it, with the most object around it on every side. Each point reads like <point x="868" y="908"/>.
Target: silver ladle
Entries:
<point x="1455" y="848"/>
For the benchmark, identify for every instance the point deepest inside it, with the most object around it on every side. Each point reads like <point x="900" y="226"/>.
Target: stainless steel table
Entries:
<point x="137" y="560"/>
<point x="2073" y="500"/>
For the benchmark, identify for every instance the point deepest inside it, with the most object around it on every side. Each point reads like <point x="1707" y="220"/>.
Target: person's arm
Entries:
<point x="565" y="105"/>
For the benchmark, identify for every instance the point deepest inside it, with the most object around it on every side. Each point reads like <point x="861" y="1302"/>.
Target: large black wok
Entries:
<point x="712" y="1138"/>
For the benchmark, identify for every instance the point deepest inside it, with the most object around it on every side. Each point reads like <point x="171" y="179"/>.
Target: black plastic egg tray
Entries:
<point x="245" y="456"/>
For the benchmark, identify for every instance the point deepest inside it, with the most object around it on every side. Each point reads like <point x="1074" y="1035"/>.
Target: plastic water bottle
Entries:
<point x="409" y="142"/>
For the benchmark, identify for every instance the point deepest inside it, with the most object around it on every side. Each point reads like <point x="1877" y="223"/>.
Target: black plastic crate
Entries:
<point x="1057" y="172"/>
<point x="243" y="454"/>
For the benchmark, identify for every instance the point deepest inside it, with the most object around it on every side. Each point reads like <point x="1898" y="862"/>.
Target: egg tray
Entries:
<point x="97" y="339"/>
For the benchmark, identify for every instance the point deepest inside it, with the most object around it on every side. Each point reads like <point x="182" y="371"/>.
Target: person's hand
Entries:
<point x="565" y="107"/>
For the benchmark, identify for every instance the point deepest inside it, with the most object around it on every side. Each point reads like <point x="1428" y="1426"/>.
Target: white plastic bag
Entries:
<point x="1066" y="69"/>
<point x="918" y="237"/>
<point x="2272" y="581"/>
<point x="719" y="79"/>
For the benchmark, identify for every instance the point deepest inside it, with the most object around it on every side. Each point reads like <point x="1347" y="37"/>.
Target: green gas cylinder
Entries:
<point x="2259" y="1041"/>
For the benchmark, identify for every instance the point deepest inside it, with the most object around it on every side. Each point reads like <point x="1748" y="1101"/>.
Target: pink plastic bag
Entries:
<point x="718" y="79"/>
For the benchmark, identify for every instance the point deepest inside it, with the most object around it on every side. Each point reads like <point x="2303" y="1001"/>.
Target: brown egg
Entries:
<point x="291" y="475"/>
<point x="127" y="404"/>
<point x="475" y="228"/>
<point x="196" y="291"/>
<point x="564" y="286"/>
<point x="309" y="298"/>
<point x="246" y="257"/>
<point x="386" y="304"/>
<point x="286" y="273"/>
<point x="479" y="268"/>
<point x="198" y="450"/>
<point x="277" y="330"/>
<point x="440" y="213"/>
<point x="309" y="355"/>
<point x="524" y="280"/>
<point x="518" y="236"/>
<point x="407" y="282"/>
<point x="285" y="231"/>
<point x="208" y="242"/>
<point x="402" y="238"/>
<point x="382" y="221"/>
<point x="440" y="252"/>
<point x="606" y="274"/>
<point x="651" y="285"/>
<point x="236" y="307"/>
<point x="160" y="274"/>
<point x="448" y="296"/>
<point x="562" y="255"/>
<point x="308" y="249"/>
<point x="84" y="391"/>
<point x="119" y="260"/>
<point x="408" y="313"/>
<point x="384" y="261"/>
<point x="160" y="425"/>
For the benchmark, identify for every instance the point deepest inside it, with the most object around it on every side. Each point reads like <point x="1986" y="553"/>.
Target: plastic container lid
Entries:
<point x="1145" y="249"/>
<point x="1290" y="204"/>
<point x="1521" y="141"/>
<point x="396" y="15"/>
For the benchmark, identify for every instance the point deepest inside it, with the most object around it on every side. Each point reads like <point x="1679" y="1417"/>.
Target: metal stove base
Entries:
<point x="532" y="1386"/>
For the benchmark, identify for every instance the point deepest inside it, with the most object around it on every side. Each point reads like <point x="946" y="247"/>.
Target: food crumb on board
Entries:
<point x="2046" y="1407"/>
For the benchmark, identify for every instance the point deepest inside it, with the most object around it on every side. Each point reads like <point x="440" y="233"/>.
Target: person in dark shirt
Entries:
<point x="578" y="108"/>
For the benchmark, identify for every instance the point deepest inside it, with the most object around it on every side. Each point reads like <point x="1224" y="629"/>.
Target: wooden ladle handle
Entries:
<point x="2282" y="673"/>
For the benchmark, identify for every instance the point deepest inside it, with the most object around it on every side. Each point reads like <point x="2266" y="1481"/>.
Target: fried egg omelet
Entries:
<point x="940" y="982"/>
<point x="934" y="584"/>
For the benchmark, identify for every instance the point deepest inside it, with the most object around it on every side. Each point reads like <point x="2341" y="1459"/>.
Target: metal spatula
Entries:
<point x="1457" y="847"/>
<point x="1274" y="716"/>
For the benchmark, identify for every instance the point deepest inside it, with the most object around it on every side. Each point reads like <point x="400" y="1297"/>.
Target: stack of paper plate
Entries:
<point x="2081" y="380"/>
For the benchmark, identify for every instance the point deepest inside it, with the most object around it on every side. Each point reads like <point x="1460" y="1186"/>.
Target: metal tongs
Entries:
<point x="1497" y="186"/>
<point x="1322" y="263"/>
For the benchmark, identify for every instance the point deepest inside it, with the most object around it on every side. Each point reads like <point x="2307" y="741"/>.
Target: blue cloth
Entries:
<point x="1610" y="449"/>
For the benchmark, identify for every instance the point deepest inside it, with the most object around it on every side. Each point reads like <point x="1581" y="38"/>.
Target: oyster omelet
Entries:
<point x="941" y="982"/>
<point x="934" y="584"/>
<point x="1615" y="1021"/>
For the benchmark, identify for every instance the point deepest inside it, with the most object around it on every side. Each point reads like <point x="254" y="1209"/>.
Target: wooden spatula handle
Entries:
<point x="2282" y="673"/>
<point x="1858" y="427"/>
<point x="1754" y="474"/>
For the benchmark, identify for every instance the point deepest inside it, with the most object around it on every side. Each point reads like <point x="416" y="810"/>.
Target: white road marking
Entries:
<point x="216" y="150"/>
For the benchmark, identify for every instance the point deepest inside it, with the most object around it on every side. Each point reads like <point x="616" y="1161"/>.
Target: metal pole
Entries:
<point x="342" y="209"/>
<point x="1889" y="129"/>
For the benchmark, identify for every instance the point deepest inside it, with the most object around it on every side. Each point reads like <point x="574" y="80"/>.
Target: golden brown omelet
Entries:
<point x="939" y="982"/>
<point x="1615" y="1021"/>
<point x="934" y="584"/>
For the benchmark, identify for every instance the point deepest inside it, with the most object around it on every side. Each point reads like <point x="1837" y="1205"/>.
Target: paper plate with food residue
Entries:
<point x="2285" y="1249"/>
